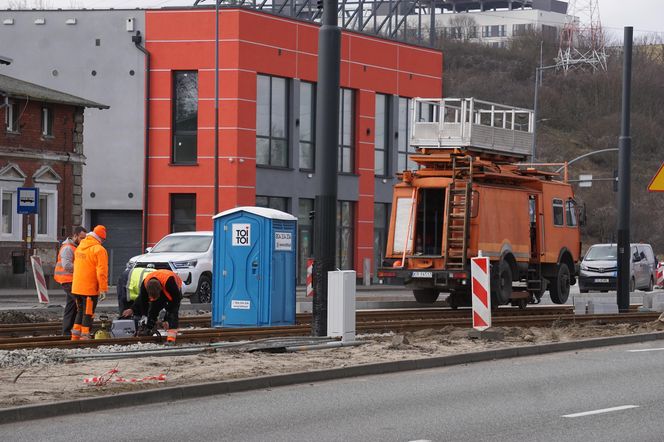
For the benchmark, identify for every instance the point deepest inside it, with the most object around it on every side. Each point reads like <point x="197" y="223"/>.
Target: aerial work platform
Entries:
<point x="471" y="124"/>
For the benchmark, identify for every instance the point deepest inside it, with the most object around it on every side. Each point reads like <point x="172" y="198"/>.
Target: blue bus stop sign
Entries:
<point x="28" y="200"/>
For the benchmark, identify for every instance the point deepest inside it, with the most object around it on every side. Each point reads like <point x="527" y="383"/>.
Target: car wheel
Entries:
<point x="559" y="290"/>
<point x="203" y="293"/>
<point x="651" y="285"/>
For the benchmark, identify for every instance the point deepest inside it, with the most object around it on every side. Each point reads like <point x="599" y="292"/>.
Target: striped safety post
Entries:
<point x="660" y="275"/>
<point x="481" y="289"/>
<point x="310" y="277"/>
<point x="40" y="281"/>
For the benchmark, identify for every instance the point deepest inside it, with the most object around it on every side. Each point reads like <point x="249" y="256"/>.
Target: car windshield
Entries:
<point x="180" y="243"/>
<point x="602" y="253"/>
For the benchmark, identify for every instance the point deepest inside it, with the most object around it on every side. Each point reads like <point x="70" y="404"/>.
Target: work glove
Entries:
<point x="102" y="296"/>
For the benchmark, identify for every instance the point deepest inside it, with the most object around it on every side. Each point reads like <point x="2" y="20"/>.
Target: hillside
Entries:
<point x="579" y="113"/>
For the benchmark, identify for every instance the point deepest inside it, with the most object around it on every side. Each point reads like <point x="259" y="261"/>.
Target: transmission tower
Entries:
<point x="582" y="37"/>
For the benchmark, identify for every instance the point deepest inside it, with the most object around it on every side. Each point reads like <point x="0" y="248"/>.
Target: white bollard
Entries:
<point x="341" y="304"/>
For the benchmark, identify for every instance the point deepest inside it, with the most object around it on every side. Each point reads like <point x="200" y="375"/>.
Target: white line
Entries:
<point x="603" y="410"/>
<point x="646" y="349"/>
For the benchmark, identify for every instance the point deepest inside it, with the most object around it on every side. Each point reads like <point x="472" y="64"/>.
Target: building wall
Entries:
<point x="254" y="43"/>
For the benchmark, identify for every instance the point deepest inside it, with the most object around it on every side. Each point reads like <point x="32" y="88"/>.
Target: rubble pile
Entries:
<point x="40" y="357"/>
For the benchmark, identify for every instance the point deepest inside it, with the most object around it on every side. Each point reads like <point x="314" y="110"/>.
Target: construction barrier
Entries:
<point x="310" y="277"/>
<point x="660" y="275"/>
<point x="479" y="273"/>
<point x="40" y="281"/>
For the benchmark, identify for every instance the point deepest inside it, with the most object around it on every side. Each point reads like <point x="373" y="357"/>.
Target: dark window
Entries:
<point x="345" y="231"/>
<point x="183" y="212"/>
<point x="346" y="144"/>
<point x="12" y="117"/>
<point x="272" y="202"/>
<point x="381" y="135"/>
<point x="521" y="29"/>
<point x="185" y="117"/>
<point x="271" y="121"/>
<point x="381" y="214"/>
<point x="307" y="125"/>
<point x="403" y="146"/>
<point x="558" y="213"/>
<point x="47" y="121"/>
<point x="305" y="244"/>
<point x="493" y="31"/>
<point x="42" y="215"/>
<point x="570" y="208"/>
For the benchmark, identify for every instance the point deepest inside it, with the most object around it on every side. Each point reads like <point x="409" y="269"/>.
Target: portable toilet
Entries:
<point x="254" y="268"/>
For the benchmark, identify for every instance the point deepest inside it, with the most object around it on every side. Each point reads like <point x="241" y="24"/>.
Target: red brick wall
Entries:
<point x="30" y="130"/>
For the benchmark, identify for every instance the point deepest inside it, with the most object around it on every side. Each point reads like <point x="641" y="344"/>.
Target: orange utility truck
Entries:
<point x="467" y="198"/>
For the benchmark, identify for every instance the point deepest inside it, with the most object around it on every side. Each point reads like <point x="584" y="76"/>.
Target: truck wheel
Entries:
<point x="559" y="290"/>
<point x="203" y="294"/>
<point x="502" y="284"/>
<point x="426" y="296"/>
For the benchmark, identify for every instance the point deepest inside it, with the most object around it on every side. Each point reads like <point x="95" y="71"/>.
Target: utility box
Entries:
<point x="341" y="304"/>
<point x="254" y="268"/>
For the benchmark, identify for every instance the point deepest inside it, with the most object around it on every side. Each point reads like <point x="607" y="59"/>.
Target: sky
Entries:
<point x="646" y="16"/>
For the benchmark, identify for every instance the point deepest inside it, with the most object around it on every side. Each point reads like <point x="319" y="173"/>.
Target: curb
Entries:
<point x="29" y="412"/>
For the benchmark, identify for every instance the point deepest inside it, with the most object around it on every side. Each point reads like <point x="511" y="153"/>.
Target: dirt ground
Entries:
<point x="37" y="376"/>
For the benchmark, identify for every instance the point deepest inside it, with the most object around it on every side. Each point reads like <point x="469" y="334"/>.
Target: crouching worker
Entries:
<point x="159" y="290"/>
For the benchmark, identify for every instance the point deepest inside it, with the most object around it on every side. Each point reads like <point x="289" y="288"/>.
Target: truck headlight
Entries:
<point x="185" y="264"/>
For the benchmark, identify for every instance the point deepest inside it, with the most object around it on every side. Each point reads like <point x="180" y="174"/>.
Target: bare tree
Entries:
<point x="464" y="27"/>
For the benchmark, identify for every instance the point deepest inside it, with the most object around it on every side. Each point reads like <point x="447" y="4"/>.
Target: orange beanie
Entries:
<point x="100" y="231"/>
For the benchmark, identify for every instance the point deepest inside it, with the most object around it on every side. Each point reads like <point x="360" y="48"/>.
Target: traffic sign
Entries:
<point x="585" y="180"/>
<point x="28" y="200"/>
<point x="657" y="183"/>
<point x="481" y="290"/>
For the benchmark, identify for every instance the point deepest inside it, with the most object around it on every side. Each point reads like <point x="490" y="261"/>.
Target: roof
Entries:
<point x="19" y="88"/>
<point x="260" y="211"/>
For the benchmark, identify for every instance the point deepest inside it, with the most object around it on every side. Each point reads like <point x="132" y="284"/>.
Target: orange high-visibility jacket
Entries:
<point x="90" y="268"/>
<point x="162" y="276"/>
<point x="64" y="268"/>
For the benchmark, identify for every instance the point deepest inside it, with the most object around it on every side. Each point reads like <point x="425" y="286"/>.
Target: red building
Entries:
<point x="267" y="78"/>
<point x="41" y="145"/>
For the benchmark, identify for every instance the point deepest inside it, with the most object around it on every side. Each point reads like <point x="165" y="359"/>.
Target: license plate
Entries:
<point x="422" y="275"/>
<point x="601" y="279"/>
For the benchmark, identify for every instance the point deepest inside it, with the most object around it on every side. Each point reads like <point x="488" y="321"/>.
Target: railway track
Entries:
<point x="367" y="321"/>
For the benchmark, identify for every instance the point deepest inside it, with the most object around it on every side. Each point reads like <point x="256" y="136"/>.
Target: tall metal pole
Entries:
<point x="535" y="114"/>
<point x="327" y="144"/>
<point x="216" y="107"/>
<point x="624" y="191"/>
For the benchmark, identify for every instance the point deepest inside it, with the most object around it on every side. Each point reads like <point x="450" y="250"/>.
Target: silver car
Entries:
<point x="599" y="268"/>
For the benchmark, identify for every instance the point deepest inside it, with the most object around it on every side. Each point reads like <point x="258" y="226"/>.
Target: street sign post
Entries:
<point x="657" y="182"/>
<point x="28" y="200"/>
<point x="585" y="180"/>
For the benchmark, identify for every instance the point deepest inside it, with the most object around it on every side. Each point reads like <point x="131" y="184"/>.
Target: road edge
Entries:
<point x="122" y="400"/>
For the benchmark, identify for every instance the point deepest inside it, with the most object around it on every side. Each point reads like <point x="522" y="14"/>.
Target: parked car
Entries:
<point x="599" y="268"/>
<point x="189" y="254"/>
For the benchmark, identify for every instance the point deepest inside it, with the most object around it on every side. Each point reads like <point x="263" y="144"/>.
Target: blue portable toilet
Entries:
<point x="254" y="268"/>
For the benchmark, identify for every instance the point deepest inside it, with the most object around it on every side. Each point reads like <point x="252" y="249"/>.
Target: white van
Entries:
<point x="599" y="268"/>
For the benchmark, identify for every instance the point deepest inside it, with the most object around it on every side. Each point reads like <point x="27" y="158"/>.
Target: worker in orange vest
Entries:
<point x="64" y="274"/>
<point x="90" y="280"/>
<point x="160" y="289"/>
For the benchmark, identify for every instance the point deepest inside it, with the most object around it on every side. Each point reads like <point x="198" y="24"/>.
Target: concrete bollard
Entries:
<point x="602" y="308"/>
<point x="341" y="304"/>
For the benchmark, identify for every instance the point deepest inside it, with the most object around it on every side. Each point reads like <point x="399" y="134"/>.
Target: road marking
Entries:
<point x="646" y="349"/>
<point x="603" y="410"/>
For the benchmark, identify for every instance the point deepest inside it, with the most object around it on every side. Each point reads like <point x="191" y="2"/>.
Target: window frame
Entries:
<point x="51" y="195"/>
<point x="406" y="136"/>
<point x="47" y="121"/>
<point x="341" y="147"/>
<point x="557" y="203"/>
<point x="16" y="233"/>
<point x="175" y="132"/>
<point x="311" y="144"/>
<point x="171" y="214"/>
<point x="574" y="214"/>
<point x="270" y="137"/>
<point x="12" y="117"/>
<point x="385" y="148"/>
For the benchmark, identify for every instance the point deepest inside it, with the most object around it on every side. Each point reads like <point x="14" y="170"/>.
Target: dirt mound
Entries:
<point x="11" y="317"/>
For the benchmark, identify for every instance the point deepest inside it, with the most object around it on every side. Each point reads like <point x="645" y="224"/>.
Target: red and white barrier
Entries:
<point x="40" y="281"/>
<point x="481" y="289"/>
<point x="310" y="277"/>
<point x="112" y="376"/>
<point x="660" y="275"/>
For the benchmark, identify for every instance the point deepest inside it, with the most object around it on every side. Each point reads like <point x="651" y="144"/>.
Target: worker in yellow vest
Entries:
<point x="160" y="289"/>
<point x="64" y="274"/>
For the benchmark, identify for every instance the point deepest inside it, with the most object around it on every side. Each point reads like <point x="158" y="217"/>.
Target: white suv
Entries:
<point x="189" y="254"/>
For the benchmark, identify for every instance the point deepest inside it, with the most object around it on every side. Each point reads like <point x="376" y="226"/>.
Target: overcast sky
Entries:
<point x="647" y="16"/>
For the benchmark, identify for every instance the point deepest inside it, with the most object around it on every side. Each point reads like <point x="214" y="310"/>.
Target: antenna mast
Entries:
<point x="582" y="38"/>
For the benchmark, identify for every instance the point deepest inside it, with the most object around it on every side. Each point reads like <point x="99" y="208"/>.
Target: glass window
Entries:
<point x="179" y="243"/>
<point x="271" y="121"/>
<point x="558" y="214"/>
<point x="381" y="135"/>
<point x="307" y="125"/>
<point x="305" y="244"/>
<point x="42" y="215"/>
<point x="345" y="231"/>
<point x="183" y="212"/>
<point x="403" y="148"/>
<point x="272" y="202"/>
<point x="570" y="207"/>
<point x="47" y="121"/>
<point x="381" y="213"/>
<point x="12" y="117"/>
<point x="403" y="226"/>
<point x="346" y="144"/>
<point x="7" y="213"/>
<point x="185" y="117"/>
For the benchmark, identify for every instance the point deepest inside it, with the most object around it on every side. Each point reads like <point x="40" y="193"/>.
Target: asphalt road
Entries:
<point x="527" y="399"/>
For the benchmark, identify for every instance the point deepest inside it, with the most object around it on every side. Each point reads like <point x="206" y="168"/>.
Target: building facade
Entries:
<point x="41" y="145"/>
